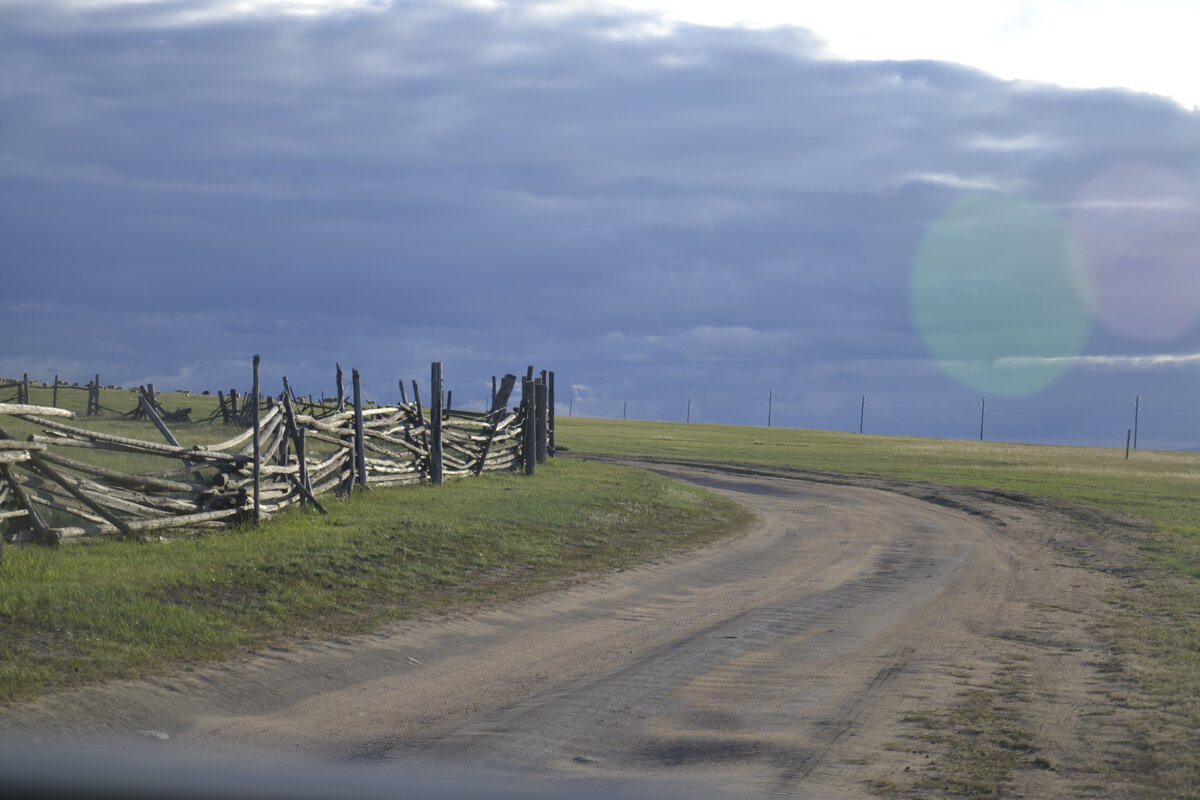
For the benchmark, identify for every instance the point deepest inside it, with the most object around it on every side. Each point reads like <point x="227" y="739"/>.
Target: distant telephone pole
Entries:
<point x="689" y="414"/>
<point x="1137" y="407"/>
<point x="770" y="401"/>
<point x="862" y="412"/>
<point x="982" y="411"/>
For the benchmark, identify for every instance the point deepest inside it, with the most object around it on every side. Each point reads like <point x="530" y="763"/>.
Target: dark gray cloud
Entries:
<point x="706" y="213"/>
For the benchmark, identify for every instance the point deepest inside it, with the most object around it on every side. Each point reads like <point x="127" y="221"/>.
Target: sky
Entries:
<point x="875" y="211"/>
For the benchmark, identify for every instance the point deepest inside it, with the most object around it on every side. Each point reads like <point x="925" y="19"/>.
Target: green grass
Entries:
<point x="111" y="608"/>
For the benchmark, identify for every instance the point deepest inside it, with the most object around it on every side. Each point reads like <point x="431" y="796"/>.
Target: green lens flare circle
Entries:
<point x="1000" y="295"/>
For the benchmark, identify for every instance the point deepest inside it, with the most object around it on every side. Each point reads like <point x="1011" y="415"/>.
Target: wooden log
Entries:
<point x="123" y="479"/>
<point x="115" y="500"/>
<point x="417" y="400"/>
<point x="14" y="444"/>
<point x="500" y="400"/>
<point x="529" y="426"/>
<point x="435" y="424"/>
<point x="23" y="409"/>
<point x="136" y="445"/>
<point x="257" y="444"/>
<point x="341" y="389"/>
<point x="42" y="531"/>
<point x="44" y="468"/>
<point x="298" y="438"/>
<point x="307" y="493"/>
<point x="360" y="441"/>
<point x="276" y="439"/>
<point x="148" y="403"/>
<point x="13" y="456"/>
<point x="541" y="431"/>
<point x="182" y="521"/>
<point x="550" y="414"/>
<point x="371" y="446"/>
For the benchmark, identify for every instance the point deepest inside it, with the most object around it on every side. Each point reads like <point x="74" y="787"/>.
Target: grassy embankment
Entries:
<point x="1154" y="622"/>
<point x="106" y="608"/>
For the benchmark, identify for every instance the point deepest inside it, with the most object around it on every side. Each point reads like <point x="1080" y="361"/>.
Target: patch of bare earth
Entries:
<point x="919" y="641"/>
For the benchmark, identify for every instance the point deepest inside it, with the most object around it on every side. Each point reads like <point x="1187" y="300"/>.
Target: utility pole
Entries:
<point x="770" y="402"/>
<point x="1137" y="407"/>
<point x="982" y="411"/>
<point x="689" y="414"/>
<point x="862" y="412"/>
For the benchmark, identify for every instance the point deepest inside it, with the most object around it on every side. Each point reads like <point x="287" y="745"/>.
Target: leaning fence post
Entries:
<point x="254" y="392"/>
<point x="360" y="446"/>
<point x="435" y="423"/>
<point x="529" y="424"/>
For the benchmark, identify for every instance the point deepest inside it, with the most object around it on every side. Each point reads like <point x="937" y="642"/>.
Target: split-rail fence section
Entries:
<point x="293" y="451"/>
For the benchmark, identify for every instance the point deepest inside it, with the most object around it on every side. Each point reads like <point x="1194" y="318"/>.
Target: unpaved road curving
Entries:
<point x="789" y="661"/>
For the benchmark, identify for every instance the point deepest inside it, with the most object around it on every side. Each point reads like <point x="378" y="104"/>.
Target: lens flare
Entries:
<point x="1140" y="229"/>
<point x="1000" y="295"/>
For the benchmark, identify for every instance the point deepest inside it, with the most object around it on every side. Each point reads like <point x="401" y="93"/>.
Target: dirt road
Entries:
<point x="822" y="654"/>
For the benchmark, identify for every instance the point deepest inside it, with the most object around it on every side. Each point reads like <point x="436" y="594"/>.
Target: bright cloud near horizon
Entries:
<point x="922" y="204"/>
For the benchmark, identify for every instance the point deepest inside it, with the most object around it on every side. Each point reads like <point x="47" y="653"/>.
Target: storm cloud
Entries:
<point x="654" y="213"/>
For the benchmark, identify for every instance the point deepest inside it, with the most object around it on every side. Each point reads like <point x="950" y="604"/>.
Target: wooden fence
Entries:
<point x="293" y="452"/>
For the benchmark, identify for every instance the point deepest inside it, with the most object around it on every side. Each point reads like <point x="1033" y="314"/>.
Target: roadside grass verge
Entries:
<point x="1153" y="625"/>
<point x="110" y="608"/>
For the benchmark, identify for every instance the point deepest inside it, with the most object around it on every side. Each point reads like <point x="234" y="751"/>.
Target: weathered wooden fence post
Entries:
<point x="529" y="425"/>
<point x="94" y="397"/>
<point x="54" y="397"/>
<point x="257" y="444"/>
<point x="435" y="424"/>
<point x="539" y="401"/>
<point x="550" y="412"/>
<point x="23" y="390"/>
<point x="360" y="444"/>
<point x="341" y="389"/>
